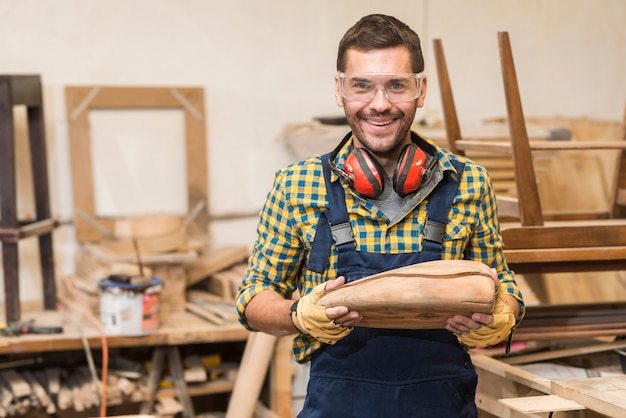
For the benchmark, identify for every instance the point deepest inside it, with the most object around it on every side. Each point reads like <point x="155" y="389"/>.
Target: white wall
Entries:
<point x="265" y="64"/>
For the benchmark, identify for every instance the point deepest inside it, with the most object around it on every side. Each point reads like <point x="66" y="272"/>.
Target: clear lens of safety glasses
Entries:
<point x="397" y="88"/>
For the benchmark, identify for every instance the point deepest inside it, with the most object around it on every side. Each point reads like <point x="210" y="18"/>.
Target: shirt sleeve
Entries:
<point x="277" y="254"/>
<point x="486" y="241"/>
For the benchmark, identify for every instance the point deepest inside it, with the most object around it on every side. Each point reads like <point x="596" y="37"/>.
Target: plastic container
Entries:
<point x="129" y="306"/>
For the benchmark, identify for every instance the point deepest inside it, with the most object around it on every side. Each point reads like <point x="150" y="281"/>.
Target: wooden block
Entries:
<point x="422" y="295"/>
<point x="39" y="391"/>
<point x="65" y="398"/>
<point x="126" y="386"/>
<point x="169" y="406"/>
<point x="226" y="282"/>
<point x="194" y="369"/>
<point x="6" y="396"/>
<point x="53" y="378"/>
<point x="172" y="297"/>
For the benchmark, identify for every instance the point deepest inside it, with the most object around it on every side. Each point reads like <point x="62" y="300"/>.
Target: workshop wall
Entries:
<point x="266" y="64"/>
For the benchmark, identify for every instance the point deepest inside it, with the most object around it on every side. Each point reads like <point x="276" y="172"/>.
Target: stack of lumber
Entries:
<point x="58" y="388"/>
<point x="203" y="284"/>
<point x="212" y="283"/>
<point x="547" y="322"/>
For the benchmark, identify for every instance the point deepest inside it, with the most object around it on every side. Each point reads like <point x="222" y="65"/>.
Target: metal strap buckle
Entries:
<point x="342" y="233"/>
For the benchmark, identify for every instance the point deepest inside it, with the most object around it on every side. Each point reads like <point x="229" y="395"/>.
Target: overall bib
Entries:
<point x="387" y="373"/>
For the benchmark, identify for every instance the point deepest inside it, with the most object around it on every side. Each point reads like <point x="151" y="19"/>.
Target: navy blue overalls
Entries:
<point x="387" y="373"/>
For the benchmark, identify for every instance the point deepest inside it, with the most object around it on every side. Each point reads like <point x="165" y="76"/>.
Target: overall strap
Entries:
<point x="333" y="225"/>
<point x="439" y="205"/>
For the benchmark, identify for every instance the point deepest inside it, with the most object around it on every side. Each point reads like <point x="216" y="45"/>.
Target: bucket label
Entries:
<point x="150" y="319"/>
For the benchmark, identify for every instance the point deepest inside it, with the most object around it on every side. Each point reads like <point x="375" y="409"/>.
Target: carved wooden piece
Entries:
<point x="420" y="296"/>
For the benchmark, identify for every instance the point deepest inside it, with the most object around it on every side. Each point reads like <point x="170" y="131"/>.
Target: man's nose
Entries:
<point x="380" y="101"/>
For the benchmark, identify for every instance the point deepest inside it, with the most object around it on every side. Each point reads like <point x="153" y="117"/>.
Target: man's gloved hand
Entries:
<point x="498" y="330"/>
<point x="310" y="318"/>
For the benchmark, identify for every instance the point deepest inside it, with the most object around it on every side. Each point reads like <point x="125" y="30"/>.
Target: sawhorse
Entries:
<point x="176" y="369"/>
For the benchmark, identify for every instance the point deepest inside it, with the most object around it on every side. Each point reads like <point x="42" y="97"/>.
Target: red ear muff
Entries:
<point x="407" y="176"/>
<point x="365" y="173"/>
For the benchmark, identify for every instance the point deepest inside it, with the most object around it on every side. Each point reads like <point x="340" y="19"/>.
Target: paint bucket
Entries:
<point x="129" y="306"/>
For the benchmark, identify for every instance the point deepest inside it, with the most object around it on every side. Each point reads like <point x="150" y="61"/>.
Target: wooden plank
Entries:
<point x="204" y="313"/>
<point x="511" y="373"/>
<point x="19" y="387"/>
<point x="538" y="404"/>
<point x="194" y="370"/>
<point x="215" y="261"/>
<point x="254" y="366"/>
<point x="281" y="378"/>
<point x="567" y="235"/>
<point x="567" y="352"/>
<point x="606" y="395"/>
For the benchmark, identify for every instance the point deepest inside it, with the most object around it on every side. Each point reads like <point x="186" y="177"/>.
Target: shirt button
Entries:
<point x="467" y="398"/>
<point x="467" y="364"/>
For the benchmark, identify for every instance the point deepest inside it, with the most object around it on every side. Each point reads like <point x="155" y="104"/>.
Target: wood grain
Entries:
<point x="420" y="296"/>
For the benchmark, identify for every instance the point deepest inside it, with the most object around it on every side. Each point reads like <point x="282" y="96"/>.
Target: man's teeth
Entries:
<point x="380" y="123"/>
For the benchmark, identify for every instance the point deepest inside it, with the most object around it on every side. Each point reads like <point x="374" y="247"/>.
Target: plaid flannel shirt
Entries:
<point x="289" y="218"/>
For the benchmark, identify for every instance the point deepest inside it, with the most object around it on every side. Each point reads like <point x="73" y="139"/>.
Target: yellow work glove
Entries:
<point x="310" y="318"/>
<point x="498" y="330"/>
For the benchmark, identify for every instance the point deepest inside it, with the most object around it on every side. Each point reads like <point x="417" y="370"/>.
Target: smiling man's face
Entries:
<point x="379" y="125"/>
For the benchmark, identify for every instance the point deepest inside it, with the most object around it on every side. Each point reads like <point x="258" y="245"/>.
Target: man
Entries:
<point x="384" y="198"/>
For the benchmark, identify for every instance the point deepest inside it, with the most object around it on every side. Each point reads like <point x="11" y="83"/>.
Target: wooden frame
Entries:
<point x="81" y="99"/>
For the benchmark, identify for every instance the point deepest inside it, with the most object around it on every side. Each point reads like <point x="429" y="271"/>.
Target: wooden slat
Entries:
<point x="572" y="235"/>
<point x="555" y="255"/>
<point x="453" y="129"/>
<point x="504" y="147"/>
<point x="563" y="353"/>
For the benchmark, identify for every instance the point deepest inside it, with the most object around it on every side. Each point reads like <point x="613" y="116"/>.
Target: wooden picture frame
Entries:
<point x="81" y="99"/>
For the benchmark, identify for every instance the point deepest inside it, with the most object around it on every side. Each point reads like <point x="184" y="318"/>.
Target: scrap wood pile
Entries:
<point x="63" y="386"/>
<point x="212" y="283"/>
<point x="203" y="284"/>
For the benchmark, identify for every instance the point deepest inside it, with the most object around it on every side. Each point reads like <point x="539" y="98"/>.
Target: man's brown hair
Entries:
<point x="379" y="31"/>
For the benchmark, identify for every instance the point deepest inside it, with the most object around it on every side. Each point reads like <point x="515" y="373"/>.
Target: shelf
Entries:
<point x="177" y="328"/>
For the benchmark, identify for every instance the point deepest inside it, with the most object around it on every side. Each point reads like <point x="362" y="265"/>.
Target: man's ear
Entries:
<point x="338" y="97"/>
<point x="422" y="96"/>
